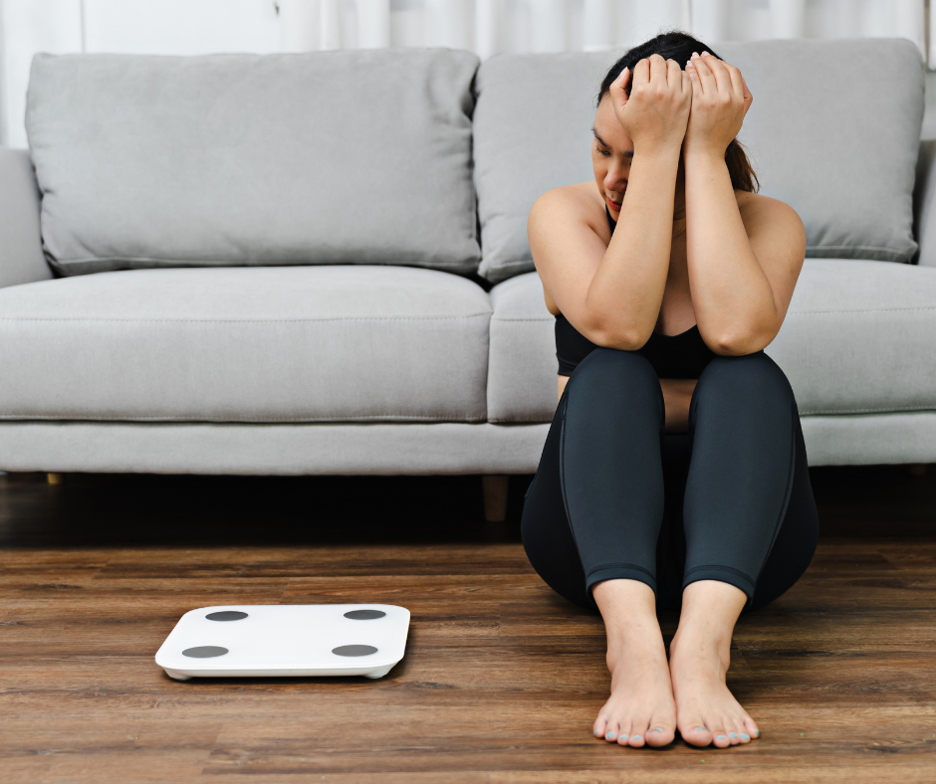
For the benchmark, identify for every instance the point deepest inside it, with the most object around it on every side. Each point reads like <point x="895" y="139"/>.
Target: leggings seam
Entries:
<point x="599" y="567"/>
<point x="721" y="568"/>
<point x="562" y="487"/>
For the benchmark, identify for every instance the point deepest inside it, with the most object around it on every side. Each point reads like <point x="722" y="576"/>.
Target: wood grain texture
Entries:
<point x="502" y="678"/>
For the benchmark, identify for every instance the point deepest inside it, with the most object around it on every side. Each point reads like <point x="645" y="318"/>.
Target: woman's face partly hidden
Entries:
<point x="612" y="152"/>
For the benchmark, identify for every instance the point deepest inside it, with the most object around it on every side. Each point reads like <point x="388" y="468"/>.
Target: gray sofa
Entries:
<point x="318" y="263"/>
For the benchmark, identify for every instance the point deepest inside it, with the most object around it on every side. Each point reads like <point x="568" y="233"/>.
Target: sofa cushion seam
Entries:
<point x="133" y="418"/>
<point x="185" y="263"/>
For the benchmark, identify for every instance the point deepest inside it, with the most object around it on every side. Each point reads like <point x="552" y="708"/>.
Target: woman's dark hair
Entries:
<point x="679" y="46"/>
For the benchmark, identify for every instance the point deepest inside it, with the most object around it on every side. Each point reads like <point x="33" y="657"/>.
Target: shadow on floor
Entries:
<point x="122" y="509"/>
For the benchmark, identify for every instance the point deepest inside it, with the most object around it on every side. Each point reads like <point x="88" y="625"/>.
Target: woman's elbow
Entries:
<point x="613" y="336"/>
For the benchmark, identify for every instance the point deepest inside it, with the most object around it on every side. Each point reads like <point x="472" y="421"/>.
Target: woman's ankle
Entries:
<point x="628" y="608"/>
<point x="710" y="609"/>
<point x="699" y="645"/>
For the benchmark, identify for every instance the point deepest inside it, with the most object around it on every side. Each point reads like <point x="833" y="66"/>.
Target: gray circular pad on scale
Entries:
<point x="205" y="651"/>
<point x="226" y="615"/>
<point x="364" y="615"/>
<point x="354" y="650"/>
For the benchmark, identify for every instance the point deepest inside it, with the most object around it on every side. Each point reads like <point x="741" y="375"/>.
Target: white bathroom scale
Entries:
<point x="274" y="640"/>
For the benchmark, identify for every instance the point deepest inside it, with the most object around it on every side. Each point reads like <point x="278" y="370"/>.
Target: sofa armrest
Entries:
<point x="21" y="256"/>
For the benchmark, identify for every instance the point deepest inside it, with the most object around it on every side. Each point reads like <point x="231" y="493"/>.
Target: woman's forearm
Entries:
<point x="626" y="293"/>
<point x="731" y="295"/>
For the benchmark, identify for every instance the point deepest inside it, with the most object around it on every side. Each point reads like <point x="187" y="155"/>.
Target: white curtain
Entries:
<point x="493" y="26"/>
<point x="487" y="27"/>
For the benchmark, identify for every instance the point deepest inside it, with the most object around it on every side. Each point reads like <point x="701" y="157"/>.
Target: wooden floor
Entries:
<point x="502" y="678"/>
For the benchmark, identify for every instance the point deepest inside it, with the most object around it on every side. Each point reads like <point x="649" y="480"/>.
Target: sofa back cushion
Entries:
<point x="833" y="131"/>
<point x="356" y="156"/>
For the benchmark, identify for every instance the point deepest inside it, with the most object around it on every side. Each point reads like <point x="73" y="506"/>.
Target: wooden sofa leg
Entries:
<point x="495" y="497"/>
<point x="55" y="479"/>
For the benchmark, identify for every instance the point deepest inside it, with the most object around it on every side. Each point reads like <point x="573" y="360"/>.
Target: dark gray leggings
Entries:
<point x="606" y="499"/>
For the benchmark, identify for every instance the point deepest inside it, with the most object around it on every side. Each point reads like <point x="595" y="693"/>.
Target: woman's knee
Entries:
<point x="617" y="369"/>
<point x="745" y="377"/>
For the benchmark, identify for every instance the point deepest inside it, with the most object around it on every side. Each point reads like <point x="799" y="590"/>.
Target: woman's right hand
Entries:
<point x="656" y="113"/>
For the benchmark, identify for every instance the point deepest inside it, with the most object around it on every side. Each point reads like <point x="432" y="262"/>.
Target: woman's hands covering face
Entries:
<point x="703" y="106"/>
<point x="656" y="113"/>
<point x="720" y="100"/>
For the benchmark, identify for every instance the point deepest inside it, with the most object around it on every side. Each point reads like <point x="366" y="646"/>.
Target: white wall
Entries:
<point x="485" y="26"/>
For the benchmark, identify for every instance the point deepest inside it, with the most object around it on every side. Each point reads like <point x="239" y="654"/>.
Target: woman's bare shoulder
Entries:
<point x="580" y="201"/>
<point x="755" y="208"/>
<point x="569" y="208"/>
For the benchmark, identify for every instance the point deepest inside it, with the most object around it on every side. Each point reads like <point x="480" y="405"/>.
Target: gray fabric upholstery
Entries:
<point x="522" y="364"/>
<point x="21" y="257"/>
<point x="239" y="344"/>
<point x="871" y="439"/>
<point x="841" y="150"/>
<point x="857" y="340"/>
<point x="439" y="448"/>
<point x="352" y="156"/>
<point x="203" y="448"/>
<point x="317" y="345"/>
<point x="532" y="133"/>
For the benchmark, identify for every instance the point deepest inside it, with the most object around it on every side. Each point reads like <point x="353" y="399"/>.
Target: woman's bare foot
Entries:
<point x="641" y="710"/>
<point x="706" y="711"/>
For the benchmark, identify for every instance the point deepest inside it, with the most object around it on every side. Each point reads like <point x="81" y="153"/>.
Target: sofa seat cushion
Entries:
<point x="522" y="376"/>
<point x="247" y="344"/>
<point x="858" y="339"/>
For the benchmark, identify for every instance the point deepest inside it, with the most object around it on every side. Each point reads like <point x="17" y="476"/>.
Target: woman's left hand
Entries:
<point x="720" y="100"/>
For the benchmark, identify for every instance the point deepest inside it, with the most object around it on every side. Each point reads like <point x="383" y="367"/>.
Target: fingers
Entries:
<point x="641" y="73"/>
<point x="657" y="68"/>
<point x="687" y="82"/>
<point x="719" y="72"/>
<point x="706" y="78"/>
<point x="618" y="88"/>
<point x="624" y="78"/>
<point x="737" y="83"/>
<point x="673" y="74"/>
<point x="693" y="75"/>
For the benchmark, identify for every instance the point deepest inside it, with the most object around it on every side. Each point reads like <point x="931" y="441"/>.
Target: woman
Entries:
<point x="674" y="474"/>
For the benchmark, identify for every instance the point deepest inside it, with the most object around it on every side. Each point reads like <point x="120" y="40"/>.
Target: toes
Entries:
<point x="611" y="730"/>
<point x="750" y="727"/>
<point x="660" y="735"/>
<point x="731" y="730"/>
<point x="601" y="726"/>
<point x="721" y="740"/>
<point x="638" y="732"/>
<point x="696" y="733"/>
<point x="738" y="729"/>
<point x="624" y="732"/>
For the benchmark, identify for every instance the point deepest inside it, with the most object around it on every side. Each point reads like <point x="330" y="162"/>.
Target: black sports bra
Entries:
<point x="673" y="356"/>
